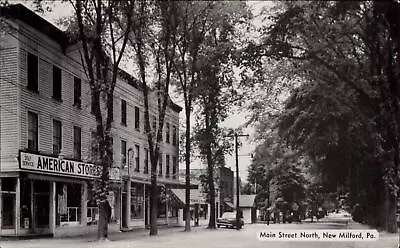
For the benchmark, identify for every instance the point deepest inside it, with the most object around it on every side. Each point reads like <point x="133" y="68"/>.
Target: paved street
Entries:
<point x="200" y="237"/>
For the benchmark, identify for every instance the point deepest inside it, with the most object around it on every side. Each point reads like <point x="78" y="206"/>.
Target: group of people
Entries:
<point x="281" y="217"/>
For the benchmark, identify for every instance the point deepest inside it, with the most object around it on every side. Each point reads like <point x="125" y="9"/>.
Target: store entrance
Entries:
<point x="42" y="210"/>
<point x="41" y="202"/>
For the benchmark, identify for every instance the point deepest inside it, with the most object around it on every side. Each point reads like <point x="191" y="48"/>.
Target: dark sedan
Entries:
<point x="228" y="219"/>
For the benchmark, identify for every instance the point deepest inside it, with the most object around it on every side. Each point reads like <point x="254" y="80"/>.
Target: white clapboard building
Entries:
<point x="47" y="132"/>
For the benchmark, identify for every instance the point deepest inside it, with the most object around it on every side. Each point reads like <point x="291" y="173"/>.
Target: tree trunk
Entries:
<point x="390" y="212"/>
<point x="153" y="199"/>
<point x="211" y="223"/>
<point x="210" y="170"/>
<point x="187" y="161"/>
<point x="102" y="228"/>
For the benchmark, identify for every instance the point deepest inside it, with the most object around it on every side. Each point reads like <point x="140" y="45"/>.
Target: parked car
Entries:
<point x="228" y="219"/>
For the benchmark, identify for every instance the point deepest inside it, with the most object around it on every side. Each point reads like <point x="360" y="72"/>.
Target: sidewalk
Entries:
<point x="91" y="240"/>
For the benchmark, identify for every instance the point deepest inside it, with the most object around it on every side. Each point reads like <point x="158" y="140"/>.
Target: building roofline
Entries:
<point x="20" y="12"/>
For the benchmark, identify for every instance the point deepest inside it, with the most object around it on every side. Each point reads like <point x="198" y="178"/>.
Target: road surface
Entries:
<point x="200" y="237"/>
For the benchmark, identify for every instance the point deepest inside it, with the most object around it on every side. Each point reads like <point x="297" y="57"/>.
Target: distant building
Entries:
<point x="223" y="185"/>
<point x="47" y="156"/>
<point x="248" y="207"/>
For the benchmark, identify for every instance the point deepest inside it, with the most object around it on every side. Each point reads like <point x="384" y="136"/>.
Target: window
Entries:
<point x="167" y="133"/>
<point x="8" y="195"/>
<point x="32" y="131"/>
<point x="160" y="165"/>
<point x="137" y="201"/>
<point x="174" y="136"/>
<point x="33" y="72"/>
<point x="94" y="146"/>
<point x="68" y="200"/>
<point x="77" y="143"/>
<point x="146" y="161"/>
<point x="174" y="167"/>
<point x="57" y="137"/>
<point x="137" y="158"/>
<point x="123" y="112"/>
<point x="137" y="118"/>
<point x="57" y="83"/>
<point x="93" y="98"/>
<point x="123" y="153"/>
<point x="167" y="165"/>
<point x="77" y="92"/>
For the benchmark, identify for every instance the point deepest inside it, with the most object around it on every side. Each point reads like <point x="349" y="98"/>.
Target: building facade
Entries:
<point x="226" y="190"/>
<point x="47" y="135"/>
<point x="223" y="188"/>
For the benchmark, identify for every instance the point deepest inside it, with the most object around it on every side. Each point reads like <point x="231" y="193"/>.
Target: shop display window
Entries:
<point x="137" y="202"/>
<point x="69" y="203"/>
<point x="92" y="214"/>
<point x="8" y="211"/>
<point x="8" y="202"/>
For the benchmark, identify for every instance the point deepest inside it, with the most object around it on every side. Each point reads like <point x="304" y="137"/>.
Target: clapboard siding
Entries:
<point x="8" y="108"/>
<point x="134" y="98"/>
<point x="47" y="108"/>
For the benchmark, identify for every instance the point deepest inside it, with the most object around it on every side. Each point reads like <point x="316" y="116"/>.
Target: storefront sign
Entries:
<point x="35" y="162"/>
<point x="197" y="201"/>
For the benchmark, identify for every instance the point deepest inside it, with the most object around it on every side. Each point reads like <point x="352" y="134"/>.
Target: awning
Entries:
<point x="196" y="197"/>
<point x="174" y="199"/>
<point x="230" y="204"/>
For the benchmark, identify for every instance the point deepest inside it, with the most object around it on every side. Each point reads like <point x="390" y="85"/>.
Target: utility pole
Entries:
<point x="237" y="176"/>
<point x="255" y="186"/>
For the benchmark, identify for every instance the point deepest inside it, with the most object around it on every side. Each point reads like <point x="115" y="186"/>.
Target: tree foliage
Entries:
<point x="343" y="111"/>
<point x="103" y="44"/>
<point x="206" y="36"/>
<point x="153" y="39"/>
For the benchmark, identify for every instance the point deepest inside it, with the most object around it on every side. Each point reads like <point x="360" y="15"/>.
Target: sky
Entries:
<point x="238" y="117"/>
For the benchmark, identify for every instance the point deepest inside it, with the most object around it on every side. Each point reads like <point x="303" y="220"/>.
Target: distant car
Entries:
<point x="228" y="219"/>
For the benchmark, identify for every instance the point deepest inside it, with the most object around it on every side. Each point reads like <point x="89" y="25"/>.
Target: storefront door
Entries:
<point x="124" y="205"/>
<point x="42" y="210"/>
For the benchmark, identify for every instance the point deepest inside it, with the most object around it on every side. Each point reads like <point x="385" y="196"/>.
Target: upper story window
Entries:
<point x="137" y="118"/>
<point x="77" y="143"/>
<point x="57" y="83"/>
<point x="95" y="147"/>
<point x="123" y="153"/>
<point x="57" y="137"/>
<point x="167" y="165"/>
<point x="146" y="161"/>
<point x="174" y="167"/>
<point x="33" y="74"/>
<point x="160" y="165"/>
<point x="174" y="136"/>
<point x="167" y="133"/>
<point x="32" y="131"/>
<point x="137" y="157"/>
<point x="123" y="112"/>
<point x="77" y="92"/>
